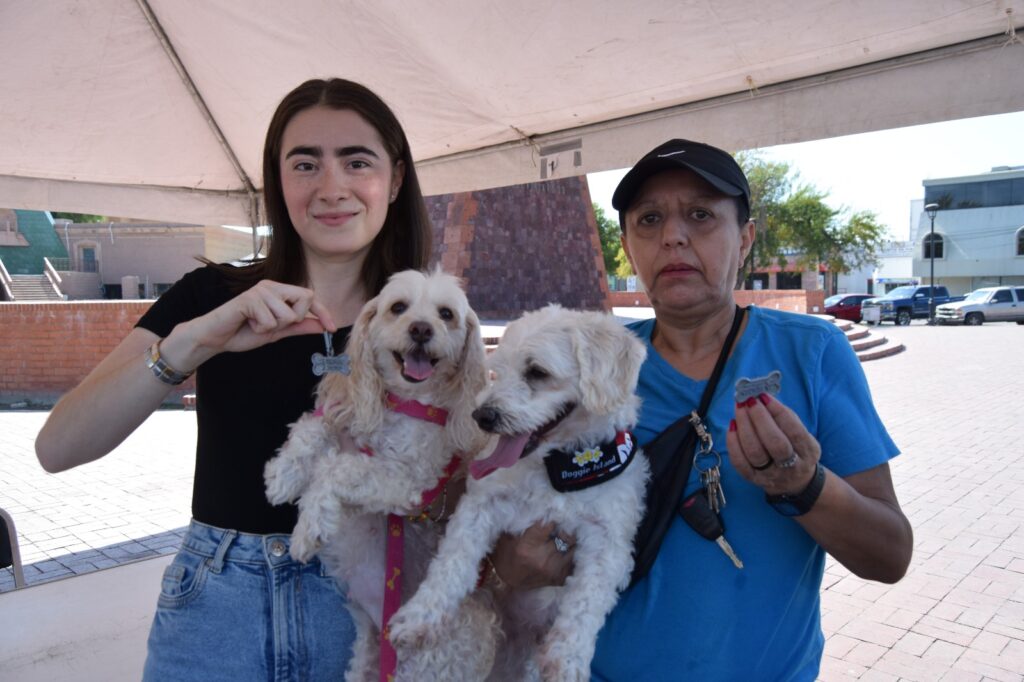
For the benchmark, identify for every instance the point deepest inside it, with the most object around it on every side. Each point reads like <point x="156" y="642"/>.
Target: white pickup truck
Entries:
<point x="991" y="304"/>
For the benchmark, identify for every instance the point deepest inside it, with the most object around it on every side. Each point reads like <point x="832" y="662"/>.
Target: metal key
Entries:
<point x="708" y="462"/>
<point x="699" y="516"/>
<point x="711" y="481"/>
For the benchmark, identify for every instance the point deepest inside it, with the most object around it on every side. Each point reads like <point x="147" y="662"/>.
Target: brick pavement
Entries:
<point x="951" y="401"/>
<point x="952" y="404"/>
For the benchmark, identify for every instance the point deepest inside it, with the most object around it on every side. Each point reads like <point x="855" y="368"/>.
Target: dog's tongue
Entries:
<point x="416" y="365"/>
<point x="505" y="454"/>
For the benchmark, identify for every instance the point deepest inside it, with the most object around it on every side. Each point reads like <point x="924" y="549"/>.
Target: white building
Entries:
<point x="894" y="268"/>
<point x="979" y="230"/>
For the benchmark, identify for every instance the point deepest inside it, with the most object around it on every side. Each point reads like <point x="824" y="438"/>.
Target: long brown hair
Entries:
<point x="405" y="239"/>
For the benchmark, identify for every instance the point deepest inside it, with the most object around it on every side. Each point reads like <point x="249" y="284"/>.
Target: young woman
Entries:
<point x="345" y="206"/>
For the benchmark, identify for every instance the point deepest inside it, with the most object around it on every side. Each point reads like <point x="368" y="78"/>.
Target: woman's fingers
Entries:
<point x="534" y="559"/>
<point x="770" y="446"/>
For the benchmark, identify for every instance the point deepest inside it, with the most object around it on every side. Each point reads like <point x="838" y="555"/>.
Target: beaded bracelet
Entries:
<point x="161" y="370"/>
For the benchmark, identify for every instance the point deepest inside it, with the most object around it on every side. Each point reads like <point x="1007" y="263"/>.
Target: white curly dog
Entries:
<point x="381" y="437"/>
<point x="563" y="387"/>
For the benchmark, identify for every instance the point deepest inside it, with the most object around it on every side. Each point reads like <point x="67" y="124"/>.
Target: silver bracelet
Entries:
<point x="161" y="370"/>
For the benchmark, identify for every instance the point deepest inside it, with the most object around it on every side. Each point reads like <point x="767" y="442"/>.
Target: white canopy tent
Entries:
<point x="157" y="108"/>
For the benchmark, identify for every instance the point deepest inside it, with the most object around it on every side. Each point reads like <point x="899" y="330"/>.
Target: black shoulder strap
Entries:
<point x="670" y="454"/>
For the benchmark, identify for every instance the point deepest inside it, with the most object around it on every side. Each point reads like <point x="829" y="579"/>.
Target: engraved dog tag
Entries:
<point x="751" y="388"/>
<point x="322" y="364"/>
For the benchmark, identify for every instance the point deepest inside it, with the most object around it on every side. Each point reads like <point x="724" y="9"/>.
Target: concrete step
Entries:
<point x="33" y="288"/>
<point x="867" y="341"/>
<point x="889" y="348"/>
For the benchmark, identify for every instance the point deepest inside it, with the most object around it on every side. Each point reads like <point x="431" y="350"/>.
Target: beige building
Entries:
<point x="140" y="259"/>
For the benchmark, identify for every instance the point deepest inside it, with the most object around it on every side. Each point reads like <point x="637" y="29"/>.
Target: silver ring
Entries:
<point x="791" y="462"/>
<point x="764" y="466"/>
<point x="560" y="544"/>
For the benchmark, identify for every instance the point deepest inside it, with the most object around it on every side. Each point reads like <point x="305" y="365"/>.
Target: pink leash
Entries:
<point x="396" y="529"/>
<point x="393" y="573"/>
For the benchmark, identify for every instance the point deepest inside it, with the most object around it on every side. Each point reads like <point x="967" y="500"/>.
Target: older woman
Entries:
<point x="804" y="471"/>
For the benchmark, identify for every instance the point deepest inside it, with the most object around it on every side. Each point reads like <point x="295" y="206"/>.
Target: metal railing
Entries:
<point x="68" y="265"/>
<point x="52" y="277"/>
<point x="5" y="282"/>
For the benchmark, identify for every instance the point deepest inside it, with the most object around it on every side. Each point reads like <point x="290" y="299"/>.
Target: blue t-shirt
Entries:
<point x="696" y="616"/>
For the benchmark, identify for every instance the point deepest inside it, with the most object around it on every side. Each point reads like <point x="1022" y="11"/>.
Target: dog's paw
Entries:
<point x="283" y="480"/>
<point x="305" y="540"/>
<point x="304" y="548"/>
<point x="414" y="627"/>
<point x="560" y="663"/>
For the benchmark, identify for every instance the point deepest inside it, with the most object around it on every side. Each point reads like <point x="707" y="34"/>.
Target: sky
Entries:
<point x="882" y="171"/>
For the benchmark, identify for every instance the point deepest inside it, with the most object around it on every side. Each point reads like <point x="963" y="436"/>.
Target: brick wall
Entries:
<point x="794" y="301"/>
<point x="521" y="247"/>
<point x="46" y="349"/>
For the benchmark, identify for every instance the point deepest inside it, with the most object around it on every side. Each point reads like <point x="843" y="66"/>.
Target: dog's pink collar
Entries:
<point x="416" y="409"/>
<point x="410" y="408"/>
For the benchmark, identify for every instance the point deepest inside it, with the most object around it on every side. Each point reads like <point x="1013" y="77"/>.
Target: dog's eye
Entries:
<point x="399" y="307"/>
<point x="446" y="314"/>
<point x="535" y="373"/>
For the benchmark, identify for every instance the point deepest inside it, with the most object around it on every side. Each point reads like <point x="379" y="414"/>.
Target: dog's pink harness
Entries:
<point x="396" y="528"/>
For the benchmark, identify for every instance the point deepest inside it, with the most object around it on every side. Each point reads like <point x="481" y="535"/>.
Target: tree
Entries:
<point x="793" y="218"/>
<point x="615" y="262"/>
<point x="769" y="186"/>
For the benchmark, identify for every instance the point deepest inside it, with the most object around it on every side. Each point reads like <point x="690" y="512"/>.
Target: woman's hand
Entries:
<point x="770" y="447"/>
<point x="856" y="519"/>
<point x="265" y="313"/>
<point x="533" y="560"/>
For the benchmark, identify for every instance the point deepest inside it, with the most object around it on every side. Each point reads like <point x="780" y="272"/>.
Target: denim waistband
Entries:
<point x="221" y="544"/>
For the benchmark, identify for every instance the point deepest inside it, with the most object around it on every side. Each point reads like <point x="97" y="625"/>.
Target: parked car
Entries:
<point x="903" y="304"/>
<point x="846" y="306"/>
<point x="991" y="304"/>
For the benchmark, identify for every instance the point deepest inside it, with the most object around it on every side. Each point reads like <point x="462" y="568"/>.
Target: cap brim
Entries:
<point x="634" y="179"/>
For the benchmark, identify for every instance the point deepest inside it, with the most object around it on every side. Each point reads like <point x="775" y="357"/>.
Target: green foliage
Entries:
<point x="78" y="217"/>
<point x="793" y="218"/>
<point x="608" y="230"/>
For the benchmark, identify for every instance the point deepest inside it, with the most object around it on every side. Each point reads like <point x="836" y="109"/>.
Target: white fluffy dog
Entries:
<point x="360" y="457"/>
<point x="563" y="386"/>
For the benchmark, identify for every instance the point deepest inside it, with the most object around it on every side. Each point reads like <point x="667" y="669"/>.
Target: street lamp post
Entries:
<point x="931" y="210"/>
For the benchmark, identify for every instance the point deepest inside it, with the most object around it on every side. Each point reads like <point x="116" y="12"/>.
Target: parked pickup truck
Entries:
<point x="991" y="304"/>
<point x="903" y="304"/>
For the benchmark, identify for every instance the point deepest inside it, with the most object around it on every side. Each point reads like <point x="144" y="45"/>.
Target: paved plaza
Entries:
<point x="952" y="402"/>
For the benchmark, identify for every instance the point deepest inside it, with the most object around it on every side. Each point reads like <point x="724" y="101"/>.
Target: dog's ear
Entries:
<point x="366" y="387"/>
<point x="609" y="356"/>
<point x="468" y="381"/>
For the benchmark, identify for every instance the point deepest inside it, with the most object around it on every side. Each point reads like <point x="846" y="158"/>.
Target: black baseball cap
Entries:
<point x="715" y="166"/>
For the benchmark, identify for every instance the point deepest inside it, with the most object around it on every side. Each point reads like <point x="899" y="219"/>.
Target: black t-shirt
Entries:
<point x="244" y="405"/>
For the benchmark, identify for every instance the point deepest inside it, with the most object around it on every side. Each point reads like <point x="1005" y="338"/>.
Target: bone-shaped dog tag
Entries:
<point x="751" y="388"/>
<point x="322" y="364"/>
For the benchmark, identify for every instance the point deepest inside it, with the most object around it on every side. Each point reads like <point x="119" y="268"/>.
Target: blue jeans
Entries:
<point x="236" y="607"/>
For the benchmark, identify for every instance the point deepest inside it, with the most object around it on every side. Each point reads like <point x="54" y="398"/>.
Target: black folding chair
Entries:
<point x="9" y="554"/>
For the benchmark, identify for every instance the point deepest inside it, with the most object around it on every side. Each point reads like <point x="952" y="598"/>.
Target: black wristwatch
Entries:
<point x="798" y="504"/>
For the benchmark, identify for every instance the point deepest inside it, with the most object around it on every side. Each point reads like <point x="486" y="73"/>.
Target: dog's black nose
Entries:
<point x="420" y="332"/>
<point x="486" y="417"/>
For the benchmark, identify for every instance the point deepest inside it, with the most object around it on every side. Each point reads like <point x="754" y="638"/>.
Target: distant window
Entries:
<point x="1020" y="242"/>
<point x="789" y="280"/>
<point x="1020" y="294"/>
<point x="1002" y="296"/>
<point x="87" y="259"/>
<point x="927" y="253"/>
